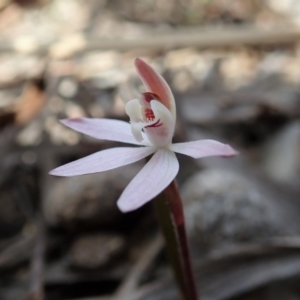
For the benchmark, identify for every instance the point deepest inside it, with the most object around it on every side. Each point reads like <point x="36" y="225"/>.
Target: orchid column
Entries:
<point x="152" y="125"/>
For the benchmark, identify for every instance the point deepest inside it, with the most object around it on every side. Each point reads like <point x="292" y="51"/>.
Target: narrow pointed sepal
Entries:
<point x="103" y="161"/>
<point x="103" y="129"/>
<point x="203" y="148"/>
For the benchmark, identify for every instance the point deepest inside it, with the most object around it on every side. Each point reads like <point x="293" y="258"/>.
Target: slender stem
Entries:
<point x="170" y="213"/>
<point x="172" y="244"/>
<point x="175" y="202"/>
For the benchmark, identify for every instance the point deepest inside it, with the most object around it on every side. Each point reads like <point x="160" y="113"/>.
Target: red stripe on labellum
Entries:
<point x="156" y="124"/>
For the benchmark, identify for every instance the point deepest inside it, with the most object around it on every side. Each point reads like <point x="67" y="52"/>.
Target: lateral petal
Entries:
<point x="156" y="175"/>
<point x="203" y="148"/>
<point x="133" y="110"/>
<point x="103" y="161"/>
<point x="103" y="129"/>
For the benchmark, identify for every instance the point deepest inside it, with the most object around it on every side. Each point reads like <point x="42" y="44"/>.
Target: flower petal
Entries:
<point x="133" y="110"/>
<point x="203" y="148"/>
<point x="157" y="174"/>
<point x="103" y="129"/>
<point x="161" y="130"/>
<point x="103" y="160"/>
<point x="156" y="84"/>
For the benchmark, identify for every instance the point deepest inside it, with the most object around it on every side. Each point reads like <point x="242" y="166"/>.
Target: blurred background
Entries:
<point x="234" y="68"/>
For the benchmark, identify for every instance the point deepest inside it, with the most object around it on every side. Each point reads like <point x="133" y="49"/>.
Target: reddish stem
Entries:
<point x="175" y="204"/>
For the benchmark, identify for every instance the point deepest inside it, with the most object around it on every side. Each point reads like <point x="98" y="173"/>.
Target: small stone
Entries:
<point x="97" y="250"/>
<point x="73" y="110"/>
<point x="281" y="159"/>
<point x="223" y="208"/>
<point x="109" y="79"/>
<point x="68" y="46"/>
<point x="68" y="88"/>
<point x="88" y="199"/>
<point x="182" y="58"/>
<point x="31" y="134"/>
<point x="29" y="157"/>
<point x="287" y="8"/>
<point x="26" y="44"/>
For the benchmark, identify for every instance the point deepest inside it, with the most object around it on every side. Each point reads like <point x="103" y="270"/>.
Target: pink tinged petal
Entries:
<point x="203" y="148"/>
<point x="156" y="84"/>
<point x="157" y="174"/>
<point x="103" y="161"/>
<point x="103" y="129"/>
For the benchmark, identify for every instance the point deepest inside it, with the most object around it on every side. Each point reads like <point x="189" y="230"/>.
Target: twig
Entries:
<point x="17" y="252"/>
<point x="197" y="37"/>
<point x="36" y="291"/>
<point x="127" y="290"/>
<point x="216" y="259"/>
<point x="130" y="283"/>
<point x="250" y="249"/>
<point x="204" y="37"/>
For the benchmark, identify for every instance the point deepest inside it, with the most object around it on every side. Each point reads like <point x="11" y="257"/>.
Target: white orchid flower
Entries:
<point x="152" y="125"/>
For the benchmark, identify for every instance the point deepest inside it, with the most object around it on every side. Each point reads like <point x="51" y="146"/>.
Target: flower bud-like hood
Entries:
<point x="154" y="112"/>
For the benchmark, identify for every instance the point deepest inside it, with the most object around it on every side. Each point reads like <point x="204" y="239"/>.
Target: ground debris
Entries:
<point x="234" y="68"/>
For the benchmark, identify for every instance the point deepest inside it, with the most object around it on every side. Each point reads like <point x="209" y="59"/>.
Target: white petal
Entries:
<point x="136" y="130"/>
<point x="103" y="129"/>
<point x="203" y="148"/>
<point x="133" y="110"/>
<point x="102" y="161"/>
<point x="157" y="174"/>
<point x="162" y="135"/>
